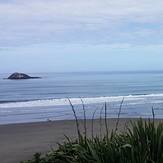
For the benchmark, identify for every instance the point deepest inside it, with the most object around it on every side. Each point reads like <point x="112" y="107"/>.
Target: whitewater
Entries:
<point x="48" y="98"/>
<point x="133" y="106"/>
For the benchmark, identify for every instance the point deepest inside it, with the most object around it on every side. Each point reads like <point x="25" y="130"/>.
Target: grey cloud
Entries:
<point x="72" y="21"/>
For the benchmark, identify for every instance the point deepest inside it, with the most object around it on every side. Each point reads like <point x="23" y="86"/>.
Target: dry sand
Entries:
<point x="20" y="141"/>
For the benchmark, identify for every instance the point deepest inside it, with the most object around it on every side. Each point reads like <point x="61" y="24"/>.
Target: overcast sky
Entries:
<point x="81" y="35"/>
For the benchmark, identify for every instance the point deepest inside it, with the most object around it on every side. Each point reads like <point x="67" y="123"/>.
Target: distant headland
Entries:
<point x="19" y="76"/>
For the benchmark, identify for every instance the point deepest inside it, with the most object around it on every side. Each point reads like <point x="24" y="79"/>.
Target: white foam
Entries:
<point x="76" y="101"/>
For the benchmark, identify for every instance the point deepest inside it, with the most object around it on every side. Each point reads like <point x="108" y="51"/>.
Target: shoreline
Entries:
<point x="19" y="142"/>
<point x="73" y="120"/>
<point x="60" y="109"/>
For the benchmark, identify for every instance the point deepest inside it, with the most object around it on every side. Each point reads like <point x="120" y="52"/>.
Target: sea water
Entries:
<point x="47" y="98"/>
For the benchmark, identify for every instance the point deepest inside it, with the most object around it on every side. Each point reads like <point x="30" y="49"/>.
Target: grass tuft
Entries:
<point x="142" y="142"/>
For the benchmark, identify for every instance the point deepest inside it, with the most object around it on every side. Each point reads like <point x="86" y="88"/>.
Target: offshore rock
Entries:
<point x="19" y="76"/>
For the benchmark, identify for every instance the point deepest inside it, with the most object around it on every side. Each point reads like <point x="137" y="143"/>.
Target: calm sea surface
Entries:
<point x="46" y="98"/>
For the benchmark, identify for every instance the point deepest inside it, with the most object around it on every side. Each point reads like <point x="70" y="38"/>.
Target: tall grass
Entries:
<point x="76" y="119"/>
<point x="85" y="119"/>
<point x="119" y="113"/>
<point x="92" y="126"/>
<point x="101" y="110"/>
<point x="106" y="124"/>
<point x="141" y="143"/>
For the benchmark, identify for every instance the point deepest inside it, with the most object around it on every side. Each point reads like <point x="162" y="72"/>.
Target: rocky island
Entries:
<point x="19" y="76"/>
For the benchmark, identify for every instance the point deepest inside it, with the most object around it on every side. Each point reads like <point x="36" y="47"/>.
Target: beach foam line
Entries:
<point x="87" y="100"/>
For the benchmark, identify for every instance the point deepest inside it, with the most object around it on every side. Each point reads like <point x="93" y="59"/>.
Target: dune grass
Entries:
<point x="142" y="142"/>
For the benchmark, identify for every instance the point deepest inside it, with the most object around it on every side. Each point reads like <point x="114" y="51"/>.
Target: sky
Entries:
<point x="85" y="35"/>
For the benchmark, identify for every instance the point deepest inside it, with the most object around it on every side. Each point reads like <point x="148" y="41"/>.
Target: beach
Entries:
<point x="26" y="101"/>
<point x="19" y="142"/>
<point x="74" y="75"/>
<point x="36" y="114"/>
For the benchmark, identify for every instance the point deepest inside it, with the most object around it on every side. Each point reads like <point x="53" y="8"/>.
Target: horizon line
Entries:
<point x="94" y="71"/>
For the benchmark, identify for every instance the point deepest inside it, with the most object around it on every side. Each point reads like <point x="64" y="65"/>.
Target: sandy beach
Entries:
<point x="20" y="141"/>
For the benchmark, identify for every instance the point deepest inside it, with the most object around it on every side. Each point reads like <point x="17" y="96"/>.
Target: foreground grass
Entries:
<point x="141" y="143"/>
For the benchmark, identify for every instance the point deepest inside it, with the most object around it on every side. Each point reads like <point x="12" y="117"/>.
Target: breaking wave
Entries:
<point x="134" y="99"/>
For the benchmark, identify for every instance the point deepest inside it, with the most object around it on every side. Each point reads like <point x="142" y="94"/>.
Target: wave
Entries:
<point x="153" y="98"/>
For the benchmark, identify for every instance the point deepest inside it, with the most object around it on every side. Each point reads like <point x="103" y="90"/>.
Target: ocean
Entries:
<point x="46" y="99"/>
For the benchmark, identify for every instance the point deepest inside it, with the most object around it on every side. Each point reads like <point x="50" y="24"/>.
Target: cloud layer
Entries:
<point x="81" y="22"/>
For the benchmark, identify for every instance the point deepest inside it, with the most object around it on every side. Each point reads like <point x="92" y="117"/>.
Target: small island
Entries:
<point x="20" y="76"/>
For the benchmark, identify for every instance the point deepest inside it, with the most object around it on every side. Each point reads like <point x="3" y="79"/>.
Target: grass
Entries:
<point x="141" y="143"/>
